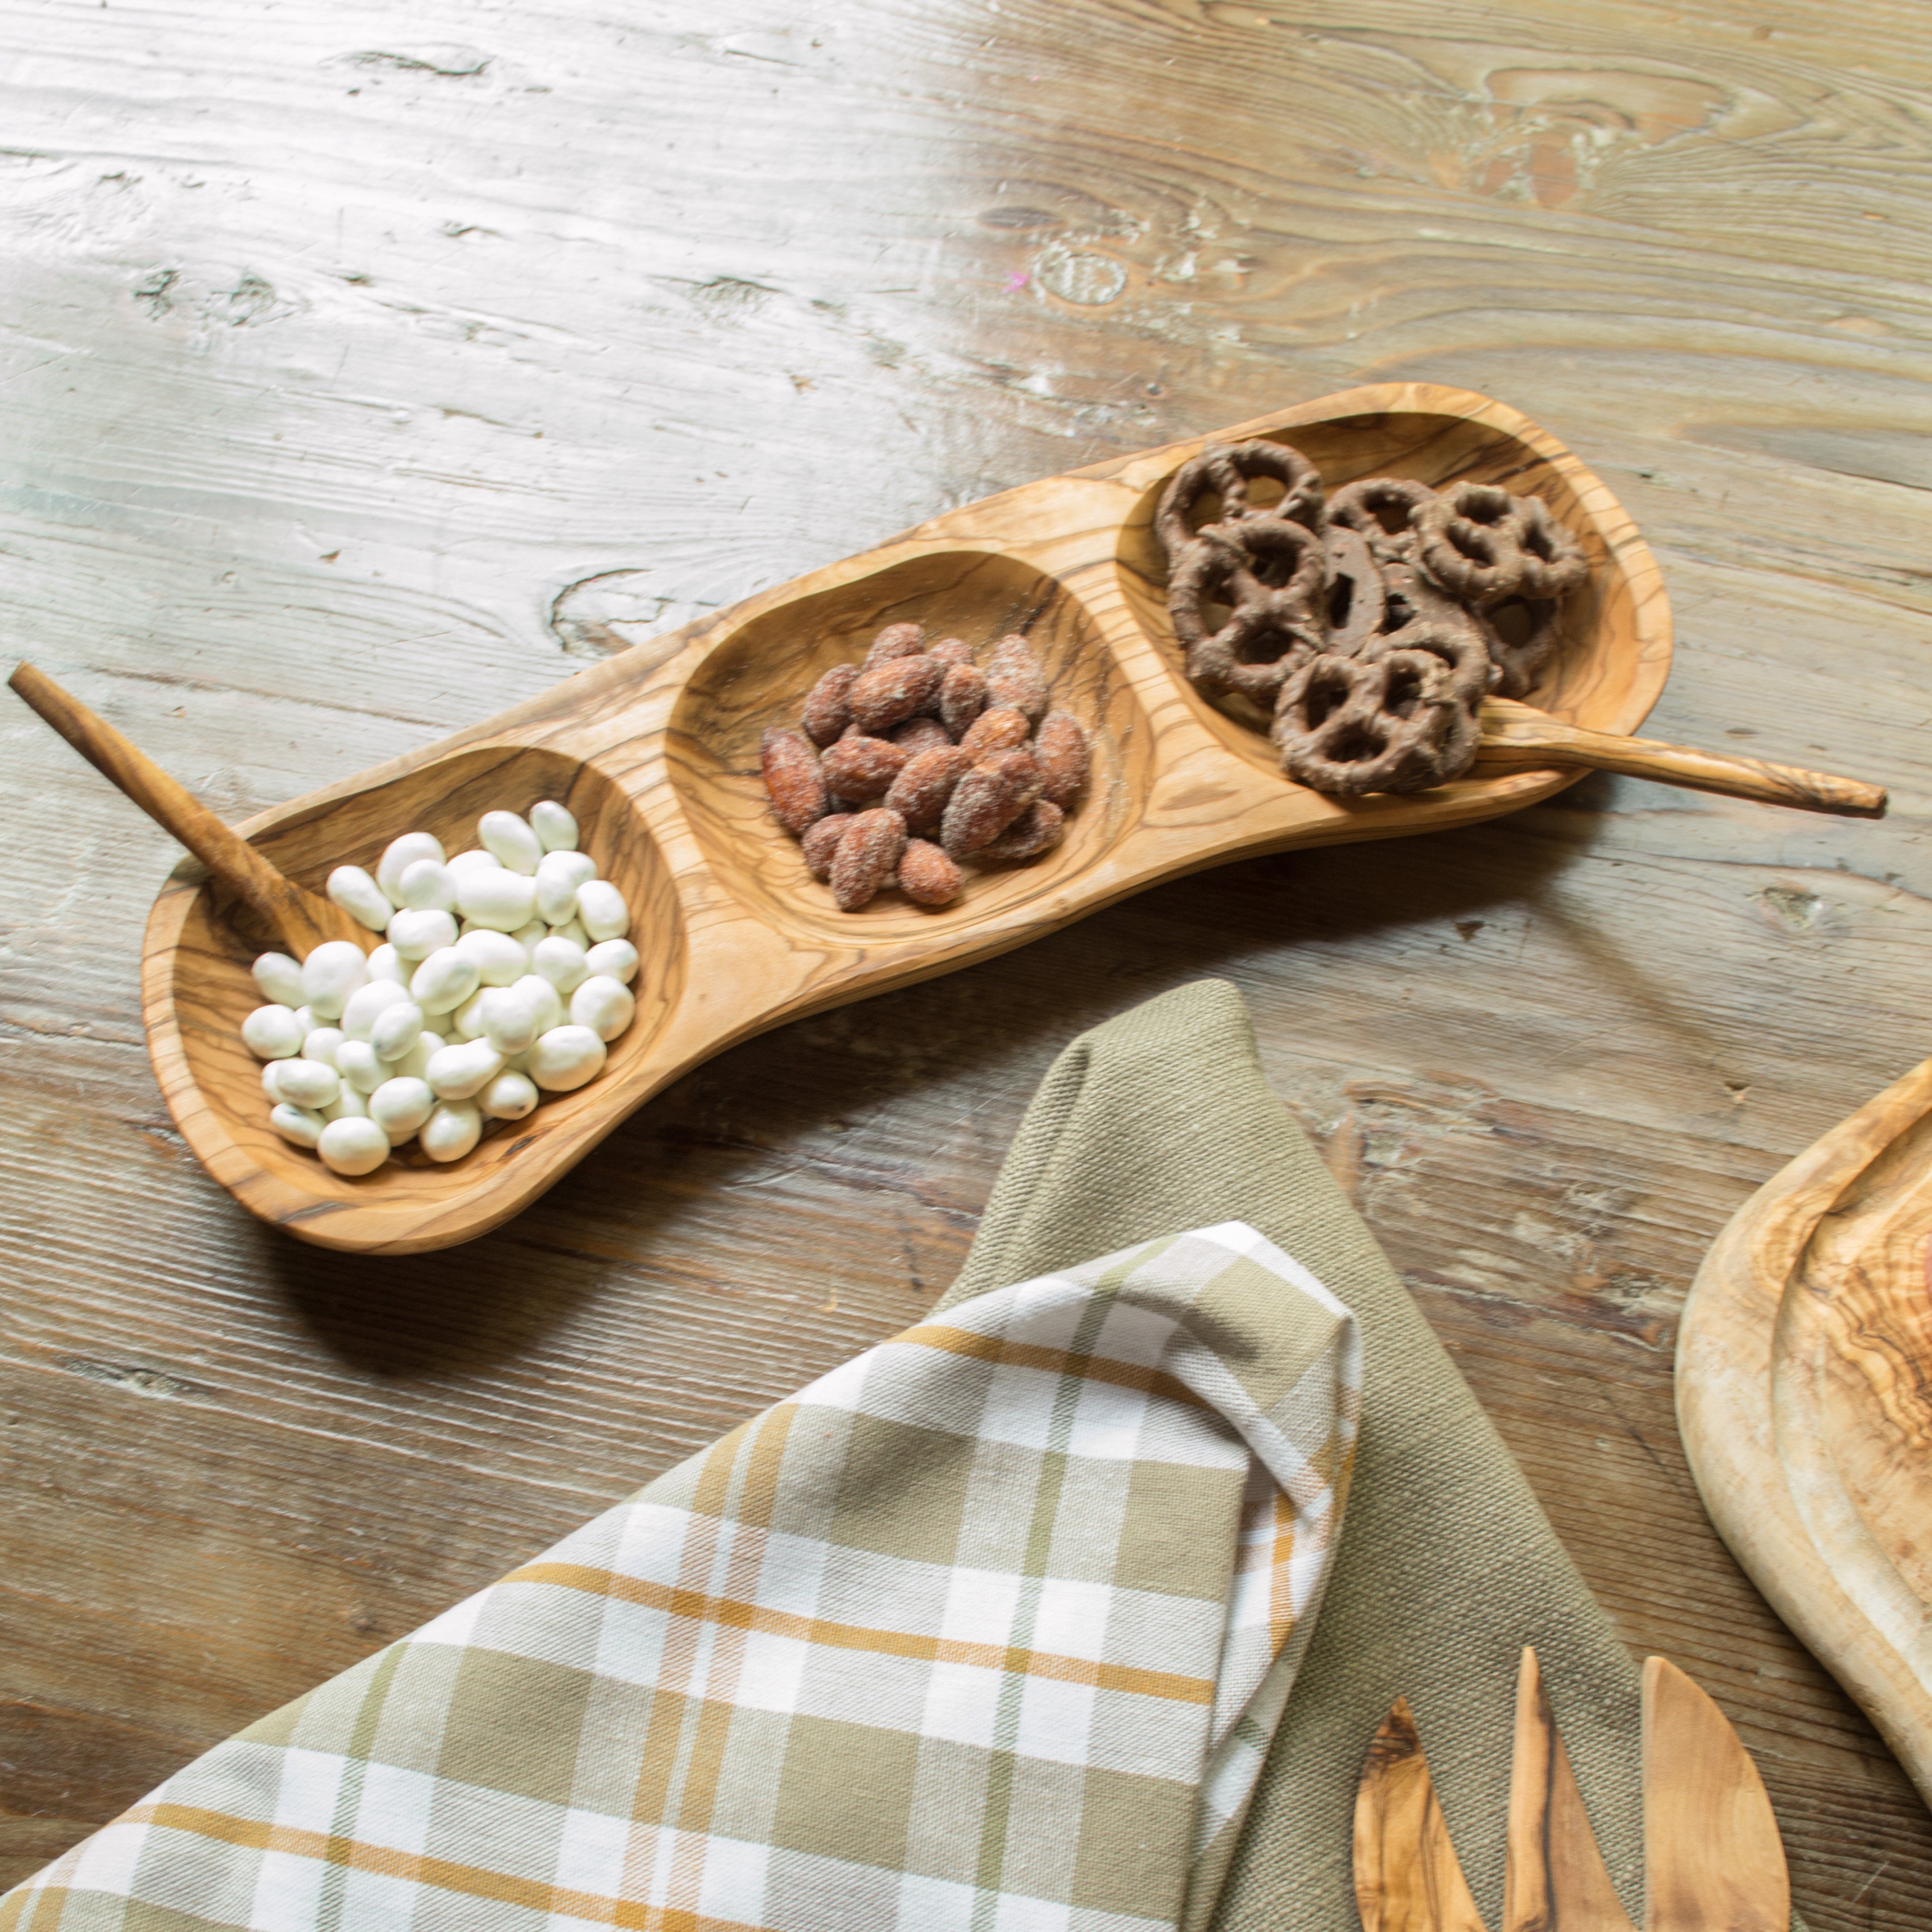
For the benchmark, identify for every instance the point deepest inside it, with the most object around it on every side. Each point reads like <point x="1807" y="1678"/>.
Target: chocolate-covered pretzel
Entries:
<point x="1382" y="510"/>
<point x="1225" y="470"/>
<point x="1353" y="602"/>
<point x="1393" y="723"/>
<point x="1272" y="575"/>
<point x="1522" y="634"/>
<point x="1483" y="544"/>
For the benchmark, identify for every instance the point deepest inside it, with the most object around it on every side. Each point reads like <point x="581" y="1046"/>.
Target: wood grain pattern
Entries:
<point x="272" y="906"/>
<point x="1407" y="1879"/>
<point x="290" y="297"/>
<point x="1711" y="1856"/>
<point x="658" y="751"/>
<point x="1554" y="1878"/>
<point x="1805" y="1390"/>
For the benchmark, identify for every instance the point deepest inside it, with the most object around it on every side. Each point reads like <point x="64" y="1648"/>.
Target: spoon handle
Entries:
<point x="1517" y="737"/>
<point x="304" y="919"/>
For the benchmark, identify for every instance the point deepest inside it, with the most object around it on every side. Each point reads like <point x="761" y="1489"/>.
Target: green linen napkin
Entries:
<point x="989" y="1629"/>
<point x="1161" y="1119"/>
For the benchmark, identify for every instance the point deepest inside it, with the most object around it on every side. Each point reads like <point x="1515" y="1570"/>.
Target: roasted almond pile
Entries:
<point x="917" y="763"/>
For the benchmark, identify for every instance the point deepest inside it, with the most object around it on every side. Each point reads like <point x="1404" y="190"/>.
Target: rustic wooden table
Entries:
<point x="367" y="371"/>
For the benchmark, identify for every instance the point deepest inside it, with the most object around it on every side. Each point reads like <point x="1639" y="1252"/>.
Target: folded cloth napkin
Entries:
<point x="1162" y="1118"/>
<point x="988" y="1629"/>
<point x="938" y="1698"/>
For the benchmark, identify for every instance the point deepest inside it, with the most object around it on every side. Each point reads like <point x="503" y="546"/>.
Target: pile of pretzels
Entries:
<point x="1362" y="629"/>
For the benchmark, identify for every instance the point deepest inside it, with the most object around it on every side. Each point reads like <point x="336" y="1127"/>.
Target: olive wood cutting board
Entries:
<point x="1805" y="1398"/>
<point x="656" y="752"/>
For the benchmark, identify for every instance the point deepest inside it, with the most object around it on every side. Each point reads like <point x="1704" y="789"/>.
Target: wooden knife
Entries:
<point x="1407" y="1879"/>
<point x="1712" y="1857"/>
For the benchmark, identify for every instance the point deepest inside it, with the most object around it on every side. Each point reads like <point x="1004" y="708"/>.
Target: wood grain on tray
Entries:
<point x="656" y="753"/>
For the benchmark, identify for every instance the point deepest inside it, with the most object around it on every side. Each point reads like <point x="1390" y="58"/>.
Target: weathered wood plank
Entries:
<point x="355" y="390"/>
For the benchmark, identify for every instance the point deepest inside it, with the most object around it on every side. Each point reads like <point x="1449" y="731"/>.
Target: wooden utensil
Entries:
<point x="1554" y="1876"/>
<point x="303" y="920"/>
<point x="1407" y="1878"/>
<point x="1804" y="1398"/>
<point x="1713" y="1860"/>
<point x="655" y="751"/>
<point x="1518" y="738"/>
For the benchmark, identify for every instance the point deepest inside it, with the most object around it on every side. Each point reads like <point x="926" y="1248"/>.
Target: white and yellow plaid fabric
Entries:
<point x="986" y="1631"/>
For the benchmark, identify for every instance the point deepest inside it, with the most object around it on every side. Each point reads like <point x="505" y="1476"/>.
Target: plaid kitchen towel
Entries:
<point x="987" y="1631"/>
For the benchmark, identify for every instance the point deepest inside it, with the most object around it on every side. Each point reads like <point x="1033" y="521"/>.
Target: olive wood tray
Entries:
<point x="656" y="751"/>
<point x="1805" y="1398"/>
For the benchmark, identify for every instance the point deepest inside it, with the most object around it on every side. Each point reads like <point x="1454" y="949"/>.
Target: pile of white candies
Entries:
<point x="444" y="1026"/>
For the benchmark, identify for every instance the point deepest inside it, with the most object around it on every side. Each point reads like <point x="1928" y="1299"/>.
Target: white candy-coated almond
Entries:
<point x="561" y="962"/>
<point x="322" y="1043"/>
<point x="466" y="1022"/>
<point x="444" y="981"/>
<point x="271" y="1087"/>
<point x="508" y="1097"/>
<point x="272" y="1032"/>
<point x="600" y="909"/>
<point x="572" y="865"/>
<point x="400" y="1107"/>
<point x="367" y="1004"/>
<point x="398" y="1028"/>
<point x="452" y="1130"/>
<point x="427" y="885"/>
<point x="330" y="973"/>
<point x="474" y="860"/>
<point x="386" y="963"/>
<point x="556" y="895"/>
<point x="280" y="979"/>
<point x="548" y="1002"/>
<point x="495" y="897"/>
<point x="306" y="1083"/>
<point x="565" y="1057"/>
<point x="356" y="1061"/>
<point x="558" y="878"/>
<point x="399" y="854"/>
<point x="347" y="1104"/>
<point x="512" y="1019"/>
<point x="571" y="929"/>
<point x="305" y="1018"/>
<point x="552" y="823"/>
<point x="359" y="896"/>
<point x="414" y="1063"/>
<point x="416" y="935"/>
<point x="352" y="1147"/>
<point x="300" y="1127"/>
<point x="457" y="1072"/>
<point x="517" y="848"/>
<point x="499" y="959"/>
<point x="527" y="936"/>
<point x="604" y="1005"/>
<point x="617" y="957"/>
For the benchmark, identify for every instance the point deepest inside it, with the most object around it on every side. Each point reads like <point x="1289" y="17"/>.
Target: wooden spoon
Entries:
<point x="302" y="919"/>
<point x="1517" y="738"/>
<point x="655" y="751"/>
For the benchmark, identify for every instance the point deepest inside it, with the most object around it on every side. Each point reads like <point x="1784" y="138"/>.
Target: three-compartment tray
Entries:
<point x="656" y="752"/>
